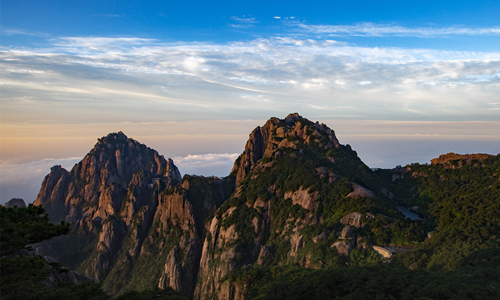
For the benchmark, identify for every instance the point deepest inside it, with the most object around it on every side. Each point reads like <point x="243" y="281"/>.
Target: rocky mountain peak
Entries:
<point x="103" y="177"/>
<point x="447" y="159"/>
<point x="15" y="202"/>
<point x="270" y="140"/>
<point x="292" y="118"/>
<point x="113" y="137"/>
<point x="171" y="171"/>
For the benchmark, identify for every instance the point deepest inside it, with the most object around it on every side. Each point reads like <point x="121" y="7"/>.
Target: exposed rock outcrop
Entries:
<point x="265" y="254"/>
<point x="108" y="197"/>
<point x="303" y="198"/>
<point x="344" y="247"/>
<point x="360" y="191"/>
<point x="446" y="159"/>
<point x="382" y="251"/>
<point x="15" y="202"/>
<point x="353" y="219"/>
<point x="276" y="134"/>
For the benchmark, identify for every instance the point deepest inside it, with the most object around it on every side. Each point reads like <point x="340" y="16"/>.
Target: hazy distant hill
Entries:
<point x="296" y="202"/>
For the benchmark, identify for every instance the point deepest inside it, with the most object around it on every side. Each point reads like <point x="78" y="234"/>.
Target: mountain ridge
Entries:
<point x="294" y="196"/>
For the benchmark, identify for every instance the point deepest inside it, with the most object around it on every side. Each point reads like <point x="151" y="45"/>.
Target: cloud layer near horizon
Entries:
<point x="97" y="79"/>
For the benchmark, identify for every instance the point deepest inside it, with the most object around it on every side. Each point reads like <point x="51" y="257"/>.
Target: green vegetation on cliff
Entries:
<point x="382" y="281"/>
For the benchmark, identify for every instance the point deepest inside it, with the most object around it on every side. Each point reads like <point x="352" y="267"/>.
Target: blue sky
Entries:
<point x="224" y="21"/>
<point x="401" y="81"/>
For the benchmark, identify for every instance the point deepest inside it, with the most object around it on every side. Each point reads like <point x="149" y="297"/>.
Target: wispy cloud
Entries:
<point x="313" y="76"/>
<point x="101" y="41"/>
<point x="378" y="30"/>
<point x="247" y="20"/>
<point x="12" y="31"/>
<point x="243" y="22"/>
<point x="205" y="159"/>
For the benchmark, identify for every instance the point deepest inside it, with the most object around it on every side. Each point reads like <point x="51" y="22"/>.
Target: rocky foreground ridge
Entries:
<point x="294" y="196"/>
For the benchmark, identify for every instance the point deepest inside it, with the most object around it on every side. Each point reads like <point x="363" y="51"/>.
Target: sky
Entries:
<point x="400" y="81"/>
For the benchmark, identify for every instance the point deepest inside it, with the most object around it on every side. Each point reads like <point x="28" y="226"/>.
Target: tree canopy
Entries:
<point x="22" y="226"/>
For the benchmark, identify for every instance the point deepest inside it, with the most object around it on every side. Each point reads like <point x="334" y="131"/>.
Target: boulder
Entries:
<point x="321" y="171"/>
<point x="344" y="247"/>
<point x="360" y="191"/>
<point x="353" y="219"/>
<point x="303" y="198"/>
<point x="347" y="232"/>
<point x="265" y="254"/>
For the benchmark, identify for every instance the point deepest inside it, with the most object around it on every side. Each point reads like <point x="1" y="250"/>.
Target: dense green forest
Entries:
<point x="460" y="258"/>
<point x="462" y="208"/>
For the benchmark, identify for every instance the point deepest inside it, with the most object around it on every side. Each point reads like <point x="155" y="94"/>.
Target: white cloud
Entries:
<point x="204" y="159"/>
<point x="315" y="83"/>
<point x="247" y="20"/>
<point x="206" y="164"/>
<point x="130" y="74"/>
<point x="241" y="25"/>
<point x="252" y="79"/>
<point x="277" y="17"/>
<point x="25" y="71"/>
<point x="373" y="29"/>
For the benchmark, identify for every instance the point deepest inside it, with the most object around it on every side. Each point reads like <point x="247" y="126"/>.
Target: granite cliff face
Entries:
<point x="294" y="196"/>
<point x="100" y="181"/>
<point x="136" y="222"/>
<point x="289" y="179"/>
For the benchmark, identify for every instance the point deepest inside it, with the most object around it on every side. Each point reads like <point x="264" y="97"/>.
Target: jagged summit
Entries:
<point x="103" y="177"/>
<point x="270" y="140"/>
<point x="292" y="118"/>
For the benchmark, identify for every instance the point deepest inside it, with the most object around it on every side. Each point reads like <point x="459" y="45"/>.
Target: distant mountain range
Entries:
<point x="296" y="202"/>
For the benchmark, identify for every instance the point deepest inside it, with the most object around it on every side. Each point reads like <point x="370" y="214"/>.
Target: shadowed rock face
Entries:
<point x="353" y="219"/>
<point x="15" y="202"/>
<point x="58" y="274"/>
<point x="114" y="184"/>
<point x="102" y="178"/>
<point x="360" y="191"/>
<point x="129" y="206"/>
